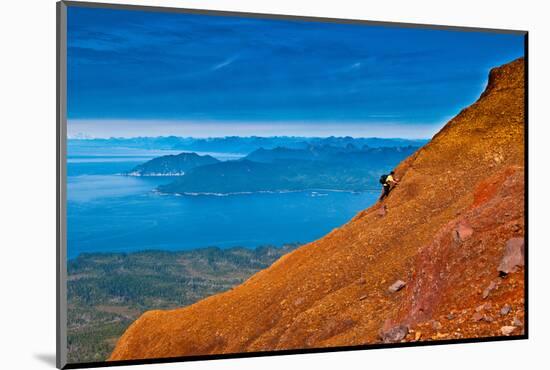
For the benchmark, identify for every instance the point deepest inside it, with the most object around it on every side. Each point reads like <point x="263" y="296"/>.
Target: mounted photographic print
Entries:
<point x="234" y="184"/>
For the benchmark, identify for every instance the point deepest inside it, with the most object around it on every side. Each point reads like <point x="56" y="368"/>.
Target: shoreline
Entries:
<point x="153" y="174"/>
<point x="178" y="251"/>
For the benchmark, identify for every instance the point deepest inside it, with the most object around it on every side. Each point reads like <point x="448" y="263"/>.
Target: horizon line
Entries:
<point x="130" y="128"/>
<point x="245" y="137"/>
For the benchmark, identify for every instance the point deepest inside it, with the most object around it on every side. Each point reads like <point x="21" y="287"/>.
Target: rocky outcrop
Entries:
<point x="513" y="256"/>
<point x="443" y="232"/>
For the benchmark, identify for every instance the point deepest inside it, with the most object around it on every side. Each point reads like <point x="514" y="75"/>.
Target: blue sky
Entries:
<point x="136" y="73"/>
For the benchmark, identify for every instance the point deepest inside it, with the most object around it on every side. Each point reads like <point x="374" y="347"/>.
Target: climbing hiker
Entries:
<point x="388" y="183"/>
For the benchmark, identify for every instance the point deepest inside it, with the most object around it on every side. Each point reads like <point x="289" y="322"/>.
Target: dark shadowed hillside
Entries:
<point x="172" y="165"/>
<point x="346" y="156"/>
<point x="284" y="169"/>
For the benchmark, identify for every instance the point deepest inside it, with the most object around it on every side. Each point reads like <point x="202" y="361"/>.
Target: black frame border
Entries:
<point x="61" y="118"/>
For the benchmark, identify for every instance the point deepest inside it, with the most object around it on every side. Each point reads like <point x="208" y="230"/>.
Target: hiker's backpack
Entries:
<point x="383" y="179"/>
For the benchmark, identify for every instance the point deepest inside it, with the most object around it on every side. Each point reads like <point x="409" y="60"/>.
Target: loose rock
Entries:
<point x="477" y="316"/>
<point x="462" y="232"/>
<point x="513" y="256"/>
<point x="489" y="289"/>
<point x="398" y="285"/>
<point x="507" y="330"/>
<point x="517" y="322"/>
<point x="390" y="334"/>
<point x="505" y="310"/>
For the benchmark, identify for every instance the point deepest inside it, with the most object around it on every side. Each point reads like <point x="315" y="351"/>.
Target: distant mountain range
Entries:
<point x="172" y="165"/>
<point x="233" y="144"/>
<point x="283" y="169"/>
<point x="350" y="154"/>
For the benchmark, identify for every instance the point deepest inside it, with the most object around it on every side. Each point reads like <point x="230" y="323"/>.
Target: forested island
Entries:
<point x="315" y="167"/>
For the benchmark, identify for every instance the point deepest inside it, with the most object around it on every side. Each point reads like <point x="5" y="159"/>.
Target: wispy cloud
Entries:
<point x="225" y="63"/>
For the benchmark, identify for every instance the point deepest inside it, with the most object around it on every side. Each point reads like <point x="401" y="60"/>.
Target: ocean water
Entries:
<point x="109" y="212"/>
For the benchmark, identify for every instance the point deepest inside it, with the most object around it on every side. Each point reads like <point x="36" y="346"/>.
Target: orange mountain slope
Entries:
<point x="442" y="231"/>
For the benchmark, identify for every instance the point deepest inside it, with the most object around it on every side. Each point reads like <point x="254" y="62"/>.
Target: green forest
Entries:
<point x="108" y="291"/>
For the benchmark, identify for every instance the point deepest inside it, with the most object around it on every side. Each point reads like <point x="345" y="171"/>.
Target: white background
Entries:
<point x="27" y="194"/>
